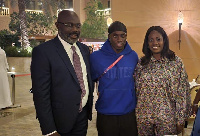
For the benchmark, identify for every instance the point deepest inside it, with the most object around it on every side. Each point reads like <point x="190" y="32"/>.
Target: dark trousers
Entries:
<point x="80" y="126"/>
<point x="117" y="125"/>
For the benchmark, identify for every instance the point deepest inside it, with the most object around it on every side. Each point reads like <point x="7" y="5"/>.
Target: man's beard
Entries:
<point x="71" y="41"/>
<point x="68" y="38"/>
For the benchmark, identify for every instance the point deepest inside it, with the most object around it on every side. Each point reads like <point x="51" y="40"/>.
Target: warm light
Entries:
<point x="180" y="21"/>
<point x="29" y="49"/>
<point x="180" y="17"/>
<point x="109" y="21"/>
<point x="37" y="11"/>
<point x="12" y="69"/>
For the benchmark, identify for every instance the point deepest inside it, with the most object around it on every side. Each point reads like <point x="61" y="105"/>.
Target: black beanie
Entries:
<point x="117" y="26"/>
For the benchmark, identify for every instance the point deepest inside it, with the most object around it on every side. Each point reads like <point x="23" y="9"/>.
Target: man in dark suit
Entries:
<point x="62" y="107"/>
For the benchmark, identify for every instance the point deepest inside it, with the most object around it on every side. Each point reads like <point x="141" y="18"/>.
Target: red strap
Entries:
<point x="112" y="65"/>
<point x="22" y="75"/>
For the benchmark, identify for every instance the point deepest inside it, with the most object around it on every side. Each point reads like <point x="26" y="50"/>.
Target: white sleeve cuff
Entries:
<point x="51" y="133"/>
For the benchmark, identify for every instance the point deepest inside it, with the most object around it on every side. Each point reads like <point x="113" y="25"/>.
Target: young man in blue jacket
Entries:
<point x="117" y="100"/>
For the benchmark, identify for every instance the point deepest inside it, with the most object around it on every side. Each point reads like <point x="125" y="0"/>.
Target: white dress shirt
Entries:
<point x="69" y="51"/>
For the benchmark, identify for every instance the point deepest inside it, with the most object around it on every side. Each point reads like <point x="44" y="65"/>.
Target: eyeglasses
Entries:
<point x="70" y="25"/>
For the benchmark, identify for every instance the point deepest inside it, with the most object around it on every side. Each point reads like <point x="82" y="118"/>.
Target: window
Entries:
<point x="65" y="4"/>
<point x="109" y="4"/>
<point x="3" y="3"/>
<point x="34" y="4"/>
<point x="69" y="4"/>
<point x="30" y="5"/>
<point x="39" y="5"/>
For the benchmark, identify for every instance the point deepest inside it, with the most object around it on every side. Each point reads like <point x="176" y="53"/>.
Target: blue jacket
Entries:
<point x="196" y="125"/>
<point x="116" y="87"/>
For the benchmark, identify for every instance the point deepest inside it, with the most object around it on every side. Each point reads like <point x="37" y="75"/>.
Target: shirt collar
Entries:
<point x="64" y="42"/>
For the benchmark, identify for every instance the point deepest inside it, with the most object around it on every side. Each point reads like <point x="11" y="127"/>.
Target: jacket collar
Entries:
<point x="62" y="53"/>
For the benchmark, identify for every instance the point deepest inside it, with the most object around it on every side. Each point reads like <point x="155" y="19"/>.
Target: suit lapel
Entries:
<point x="63" y="54"/>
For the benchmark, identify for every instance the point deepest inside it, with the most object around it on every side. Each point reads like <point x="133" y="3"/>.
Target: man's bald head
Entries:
<point x="67" y="15"/>
<point x="69" y="26"/>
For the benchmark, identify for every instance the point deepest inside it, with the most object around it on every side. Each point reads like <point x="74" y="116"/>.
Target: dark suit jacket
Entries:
<point x="56" y="90"/>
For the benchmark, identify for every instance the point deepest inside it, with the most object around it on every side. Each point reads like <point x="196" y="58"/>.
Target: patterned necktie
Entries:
<point x="79" y="74"/>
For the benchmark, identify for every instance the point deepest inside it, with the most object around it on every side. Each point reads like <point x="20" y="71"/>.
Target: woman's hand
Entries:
<point x="180" y="128"/>
<point x="194" y="109"/>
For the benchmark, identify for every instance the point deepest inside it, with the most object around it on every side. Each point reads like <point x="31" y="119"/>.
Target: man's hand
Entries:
<point x="55" y="134"/>
<point x="180" y="128"/>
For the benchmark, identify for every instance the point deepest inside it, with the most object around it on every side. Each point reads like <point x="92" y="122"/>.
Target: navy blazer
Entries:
<point x="56" y="90"/>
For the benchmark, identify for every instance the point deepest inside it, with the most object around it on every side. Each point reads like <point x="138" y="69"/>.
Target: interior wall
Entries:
<point x="139" y="15"/>
<point x="4" y="21"/>
<point x="78" y="6"/>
